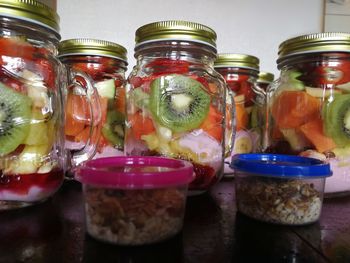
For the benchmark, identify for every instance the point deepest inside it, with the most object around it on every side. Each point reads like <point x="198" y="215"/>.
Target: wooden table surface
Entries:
<point x="213" y="232"/>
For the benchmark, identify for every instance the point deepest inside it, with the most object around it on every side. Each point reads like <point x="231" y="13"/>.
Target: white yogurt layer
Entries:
<point x="34" y="194"/>
<point x="208" y="150"/>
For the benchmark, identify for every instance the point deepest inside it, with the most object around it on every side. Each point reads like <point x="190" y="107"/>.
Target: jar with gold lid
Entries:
<point x="105" y="62"/>
<point x="309" y="104"/>
<point x="32" y="94"/>
<point x="176" y="100"/>
<point x="241" y="73"/>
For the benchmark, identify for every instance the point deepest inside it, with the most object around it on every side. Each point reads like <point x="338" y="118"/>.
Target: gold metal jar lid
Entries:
<point x="265" y="77"/>
<point x="175" y="30"/>
<point x="237" y="60"/>
<point x="32" y="11"/>
<point x="319" y="42"/>
<point x="94" y="47"/>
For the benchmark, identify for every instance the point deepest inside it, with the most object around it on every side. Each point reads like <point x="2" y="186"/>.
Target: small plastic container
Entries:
<point x="280" y="189"/>
<point x="135" y="200"/>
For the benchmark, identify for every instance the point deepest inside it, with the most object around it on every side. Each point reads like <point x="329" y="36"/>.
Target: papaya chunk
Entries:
<point x="291" y="109"/>
<point x="242" y="117"/>
<point x="212" y="124"/>
<point x="313" y="131"/>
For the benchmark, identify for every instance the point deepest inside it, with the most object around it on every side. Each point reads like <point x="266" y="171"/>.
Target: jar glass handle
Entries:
<point x="268" y="125"/>
<point x="230" y="123"/>
<point x="82" y="87"/>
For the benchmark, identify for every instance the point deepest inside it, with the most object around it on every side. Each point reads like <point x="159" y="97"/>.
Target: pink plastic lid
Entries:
<point x="135" y="172"/>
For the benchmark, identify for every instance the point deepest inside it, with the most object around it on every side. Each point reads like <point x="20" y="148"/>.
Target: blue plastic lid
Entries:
<point x="278" y="165"/>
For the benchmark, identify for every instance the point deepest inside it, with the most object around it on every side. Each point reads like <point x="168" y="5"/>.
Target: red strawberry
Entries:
<point x="205" y="176"/>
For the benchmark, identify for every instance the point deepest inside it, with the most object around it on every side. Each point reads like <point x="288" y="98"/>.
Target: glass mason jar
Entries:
<point x="32" y="95"/>
<point x="176" y="100"/>
<point x="105" y="62"/>
<point x="309" y="104"/>
<point x="241" y="72"/>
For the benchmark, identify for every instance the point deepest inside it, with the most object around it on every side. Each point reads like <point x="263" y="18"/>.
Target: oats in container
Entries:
<point x="135" y="200"/>
<point x="280" y="189"/>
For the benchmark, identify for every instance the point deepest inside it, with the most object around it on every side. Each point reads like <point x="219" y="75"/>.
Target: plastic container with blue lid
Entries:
<point x="280" y="189"/>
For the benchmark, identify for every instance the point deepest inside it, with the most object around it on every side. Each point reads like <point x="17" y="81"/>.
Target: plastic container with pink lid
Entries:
<point x="134" y="200"/>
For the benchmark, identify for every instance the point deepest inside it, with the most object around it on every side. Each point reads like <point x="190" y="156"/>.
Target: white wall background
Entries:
<point x="253" y="27"/>
<point x="337" y="16"/>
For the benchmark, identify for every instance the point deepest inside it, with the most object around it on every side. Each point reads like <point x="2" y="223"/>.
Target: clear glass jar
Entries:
<point x="176" y="100"/>
<point x="241" y="72"/>
<point x="32" y="95"/>
<point x="105" y="62"/>
<point x="309" y="105"/>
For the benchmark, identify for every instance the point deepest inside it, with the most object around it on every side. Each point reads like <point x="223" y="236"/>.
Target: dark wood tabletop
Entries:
<point x="213" y="232"/>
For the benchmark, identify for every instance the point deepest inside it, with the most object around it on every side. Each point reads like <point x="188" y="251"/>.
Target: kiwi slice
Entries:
<point x="336" y="115"/>
<point x="15" y="116"/>
<point x="178" y="102"/>
<point x="113" y="129"/>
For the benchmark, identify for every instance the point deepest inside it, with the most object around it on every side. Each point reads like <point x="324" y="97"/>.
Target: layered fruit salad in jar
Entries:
<point x="241" y="72"/>
<point x="176" y="102"/>
<point x="30" y="121"/>
<point x="309" y="105"/>
<point x="105" y="62"/>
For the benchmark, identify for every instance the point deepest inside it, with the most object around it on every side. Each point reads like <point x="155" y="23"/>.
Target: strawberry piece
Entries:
<point x="205" y="177"/>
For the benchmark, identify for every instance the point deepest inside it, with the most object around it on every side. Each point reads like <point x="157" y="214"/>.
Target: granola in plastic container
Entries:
<point x="280" y="189"/>
<point x="135" y="200"/>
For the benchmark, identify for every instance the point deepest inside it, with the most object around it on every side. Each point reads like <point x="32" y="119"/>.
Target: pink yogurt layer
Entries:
<point x="340" y="181"/>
